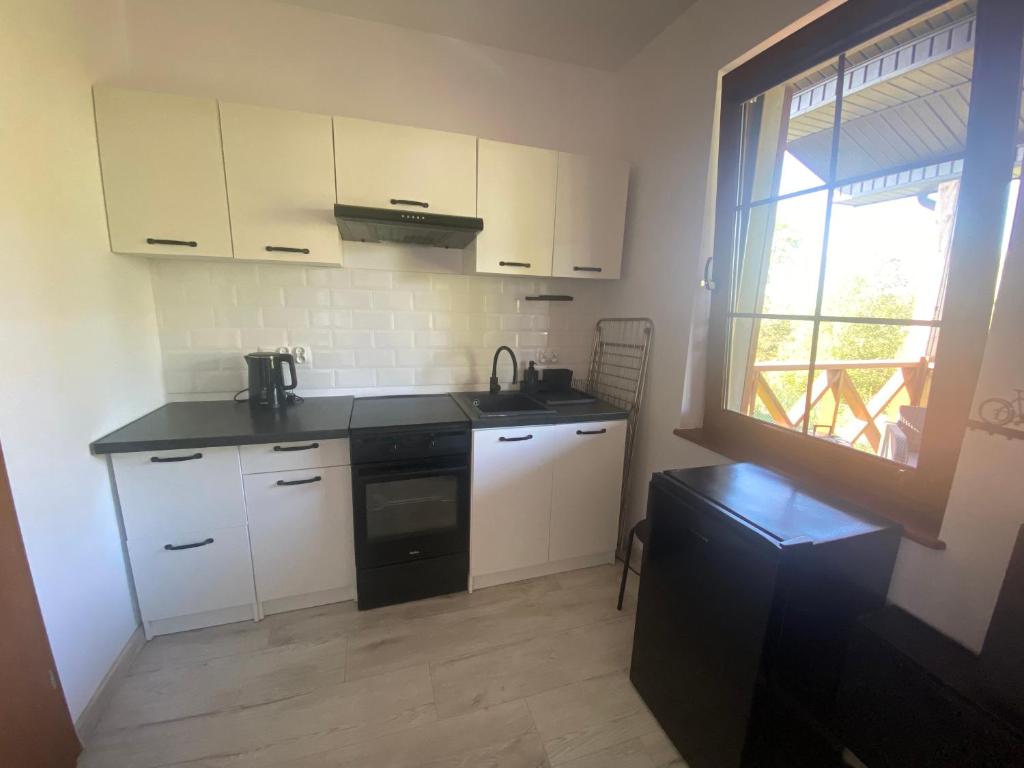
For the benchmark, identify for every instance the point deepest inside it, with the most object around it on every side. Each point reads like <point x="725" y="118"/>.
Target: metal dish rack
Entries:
<point x="618" y="375"/>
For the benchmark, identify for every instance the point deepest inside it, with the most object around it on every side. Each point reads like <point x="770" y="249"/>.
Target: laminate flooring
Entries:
<point x="519" y="676"/>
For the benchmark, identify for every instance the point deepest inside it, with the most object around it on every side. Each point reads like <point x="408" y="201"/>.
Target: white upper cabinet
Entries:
<point x="516" y="200"/>
<point x="590" y="216"/>
<point x="163" y="173"/>
<point x="280" y="179"/>
<point x="380" y="165"/>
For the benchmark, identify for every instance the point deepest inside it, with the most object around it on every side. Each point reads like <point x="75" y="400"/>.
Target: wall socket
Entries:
<point x="547" y="356"/>
<point x="300" y="353"/>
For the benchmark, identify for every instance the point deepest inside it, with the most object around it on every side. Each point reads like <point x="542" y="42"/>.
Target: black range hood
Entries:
<point x="375" y="225"/>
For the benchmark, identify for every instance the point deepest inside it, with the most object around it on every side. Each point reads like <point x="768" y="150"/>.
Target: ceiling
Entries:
<point x="594" y="33"/>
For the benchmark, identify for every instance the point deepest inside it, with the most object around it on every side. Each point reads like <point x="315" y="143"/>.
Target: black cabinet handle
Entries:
<point x="287" y="448"/>
<point x="524" y="264"/>
<point x="399" y="201"/>
<point x="177" y="547"/>
<point x="286" y="249"/>
<point x="316" y="479"/>
<point x="159" y="241"/>
<point x="587" y="269"/>
<point x="515" y="439"/>
<point x="169" y="459"/>
<point x="591" y="431"/>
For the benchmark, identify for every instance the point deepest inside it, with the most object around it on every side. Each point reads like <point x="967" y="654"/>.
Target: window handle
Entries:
<point x="524" y="264"/>
<point x="286" y="249"/>
<point x="159" y="241"/>
<point x="400" y="201"/>
<point x="707" y="283"/>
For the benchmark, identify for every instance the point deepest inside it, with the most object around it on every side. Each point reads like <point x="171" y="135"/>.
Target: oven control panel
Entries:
<point x="397" y="446"/>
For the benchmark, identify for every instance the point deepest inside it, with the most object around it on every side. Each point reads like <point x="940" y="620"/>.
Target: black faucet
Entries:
<point x="495" y="389"/>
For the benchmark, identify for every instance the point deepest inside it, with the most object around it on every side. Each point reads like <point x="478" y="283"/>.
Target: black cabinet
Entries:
<point x="748" y="593"/>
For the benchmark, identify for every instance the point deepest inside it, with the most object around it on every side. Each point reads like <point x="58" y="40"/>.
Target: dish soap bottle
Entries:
<point x="530" y="378"/>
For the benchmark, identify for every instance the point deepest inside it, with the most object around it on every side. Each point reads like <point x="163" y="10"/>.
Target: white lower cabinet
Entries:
<point x="300" y="525"/>
<point x="586" y="490"/>
<point x="192" y="572"/>
<point x="544" y="499"/>
<point x="511" y="498"/>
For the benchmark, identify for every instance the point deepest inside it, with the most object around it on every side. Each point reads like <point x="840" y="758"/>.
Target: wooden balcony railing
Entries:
<point x="832" y="380"/>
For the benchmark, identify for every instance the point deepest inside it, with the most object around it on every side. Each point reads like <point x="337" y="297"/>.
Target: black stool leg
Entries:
<point x="625" y="567"/>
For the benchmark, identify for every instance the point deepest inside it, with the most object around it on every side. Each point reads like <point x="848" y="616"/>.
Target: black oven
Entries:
<point x="411" y="514"/>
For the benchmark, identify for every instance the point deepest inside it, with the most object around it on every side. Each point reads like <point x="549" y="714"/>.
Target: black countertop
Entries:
<point x="214" y="423"/>
<point x="559" y="414"/>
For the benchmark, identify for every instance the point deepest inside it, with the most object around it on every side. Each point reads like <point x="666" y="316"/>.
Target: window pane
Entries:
<point x="769" y="360"/>
<point x="889" y="259"/>
<point x="779" y="263"/>
<point x="871" y="386"/>
<point x="905" y="101"/>
<point x="788" y="135"/>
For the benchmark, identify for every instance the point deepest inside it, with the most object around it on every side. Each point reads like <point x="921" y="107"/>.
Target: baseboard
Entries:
<point x="483" y="581"/>
<point x="311" y="600"/>
<point x="89" y="718"/>
<point x="213" y="618"/>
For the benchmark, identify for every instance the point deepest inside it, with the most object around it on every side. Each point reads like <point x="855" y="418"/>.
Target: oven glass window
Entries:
<point x="404" y="507"/>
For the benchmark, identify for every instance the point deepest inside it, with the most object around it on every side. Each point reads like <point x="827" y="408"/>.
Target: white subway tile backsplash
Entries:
<point x="362" y="328"/>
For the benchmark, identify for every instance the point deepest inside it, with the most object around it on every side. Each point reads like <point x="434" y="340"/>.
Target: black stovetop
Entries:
<point x="405" y="411"/>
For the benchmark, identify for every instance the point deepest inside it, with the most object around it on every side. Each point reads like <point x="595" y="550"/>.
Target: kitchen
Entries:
<point x="350" y="447"/>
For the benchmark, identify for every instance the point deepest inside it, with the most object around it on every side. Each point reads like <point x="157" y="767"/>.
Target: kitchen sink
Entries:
<point x="510" y="404"/>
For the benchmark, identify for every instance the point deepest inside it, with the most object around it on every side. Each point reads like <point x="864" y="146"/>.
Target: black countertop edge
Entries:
<point x="438" y="426"/>
<point x="220" y="441"/>
<point x="560" y="414"/>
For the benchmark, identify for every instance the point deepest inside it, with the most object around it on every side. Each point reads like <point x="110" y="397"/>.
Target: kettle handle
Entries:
<point x="290" y="359"/>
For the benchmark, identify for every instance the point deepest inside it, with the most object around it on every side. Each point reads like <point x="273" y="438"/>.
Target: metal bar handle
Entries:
<point x="286" y="249"/>
<point x="524" y="264"/>
<point x="587" y="269"/>
<point x="591" y="431"/>
<point x="169" y="459"/>
<point x="707" y="283"/>
<point x="316" y="479"/>
<point x="193" y="545"/>
<point x="161" y="241"/>
<point x="515" y="439"/>
<point x="287" y="448"/>
<point x="400" y="201"/>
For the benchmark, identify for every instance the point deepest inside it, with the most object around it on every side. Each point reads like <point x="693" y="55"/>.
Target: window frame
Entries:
<point x="915" y="497"/>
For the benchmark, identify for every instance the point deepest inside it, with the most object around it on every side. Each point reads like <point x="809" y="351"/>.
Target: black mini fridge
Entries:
<point x="748" y="592"/>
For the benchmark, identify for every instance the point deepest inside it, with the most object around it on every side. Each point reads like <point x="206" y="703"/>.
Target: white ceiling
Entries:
<point x="594" y="33"/>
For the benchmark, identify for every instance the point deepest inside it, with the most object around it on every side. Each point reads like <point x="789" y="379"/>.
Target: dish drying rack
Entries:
<point x="618" y="375"/>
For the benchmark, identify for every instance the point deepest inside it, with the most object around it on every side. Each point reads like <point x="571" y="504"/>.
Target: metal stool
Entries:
<point x="638" y="531"/>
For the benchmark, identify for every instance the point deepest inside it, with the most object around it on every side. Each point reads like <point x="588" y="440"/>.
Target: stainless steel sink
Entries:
<point x="510" y="404"/>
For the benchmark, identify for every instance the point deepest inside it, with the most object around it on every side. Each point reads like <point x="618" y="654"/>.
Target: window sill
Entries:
<point x="706" y="440"/>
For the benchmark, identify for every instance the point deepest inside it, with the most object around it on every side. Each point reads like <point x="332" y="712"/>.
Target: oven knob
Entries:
<point x="394" y="447"/>
<point x="433" y="443"/>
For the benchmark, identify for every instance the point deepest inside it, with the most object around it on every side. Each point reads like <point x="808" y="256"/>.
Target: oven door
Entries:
<point x="410" y="510"/>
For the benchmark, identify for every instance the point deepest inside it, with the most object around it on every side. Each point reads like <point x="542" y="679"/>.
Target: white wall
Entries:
<point x="77" y="325"/>
<point x="668" y="109"/>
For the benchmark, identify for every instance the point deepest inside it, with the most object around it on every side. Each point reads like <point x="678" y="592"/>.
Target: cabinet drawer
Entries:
<point x="280" y="457"/>
<point x="300" y="524"/>
<point x="170" y="492"/>
<point x="210" y="569"/>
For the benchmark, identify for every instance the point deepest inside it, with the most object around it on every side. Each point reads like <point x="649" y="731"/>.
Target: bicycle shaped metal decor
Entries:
<point x="1000" y="413"/>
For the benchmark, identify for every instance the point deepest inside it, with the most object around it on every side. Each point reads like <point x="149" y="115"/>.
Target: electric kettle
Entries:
<point x="266" y="379"/>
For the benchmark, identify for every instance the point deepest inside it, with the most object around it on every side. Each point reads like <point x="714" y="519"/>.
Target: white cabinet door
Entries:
<point x="511" y="498"/>
<point x="380" y="165"/>
<point x="516" y="200"/>
<point x="163" y="173"/>
<point x="301" y="531"/>
<point x="590" y="216"/>
<point x="164" y="493"/>
<point x="280" y="178"/>
<point x="586" y="488"/>
<point x="278" y="457"/>
<point x="192" y="572"/>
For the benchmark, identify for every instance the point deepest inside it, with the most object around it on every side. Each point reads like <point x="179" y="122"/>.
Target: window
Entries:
<point x="863" y="180"/>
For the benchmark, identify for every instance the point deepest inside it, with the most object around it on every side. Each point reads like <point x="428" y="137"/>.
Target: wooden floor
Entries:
<point x="528" y="674"/>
